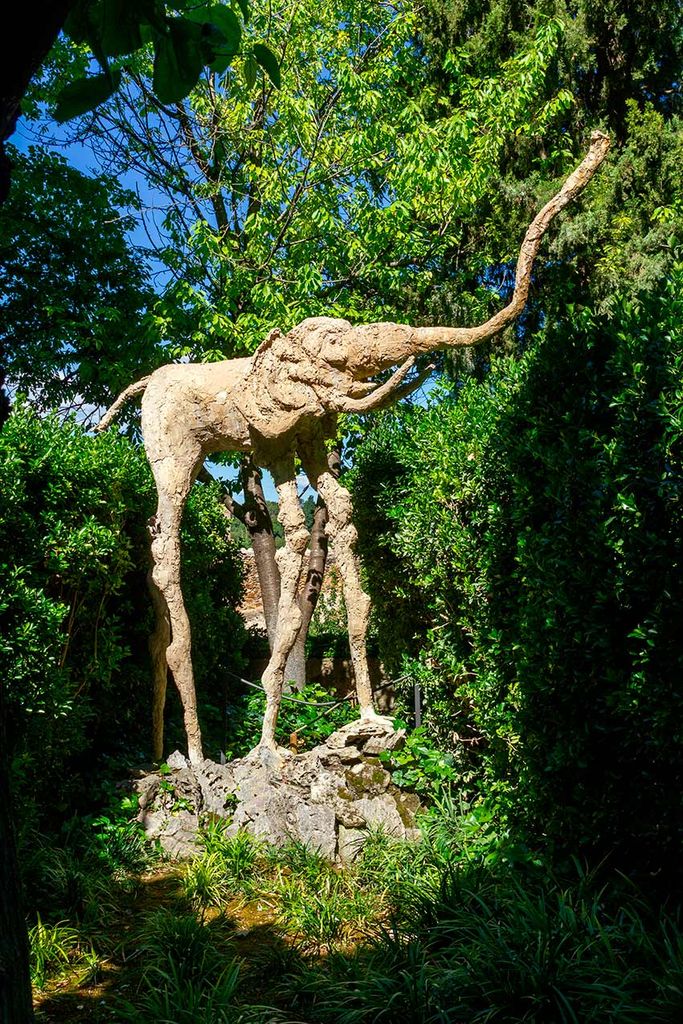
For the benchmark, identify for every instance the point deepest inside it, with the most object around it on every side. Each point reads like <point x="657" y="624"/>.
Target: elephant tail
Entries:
<point x="131" y="391"/>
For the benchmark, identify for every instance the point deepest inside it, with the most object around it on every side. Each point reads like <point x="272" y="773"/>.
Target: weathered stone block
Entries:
<point x="326" y="798"/>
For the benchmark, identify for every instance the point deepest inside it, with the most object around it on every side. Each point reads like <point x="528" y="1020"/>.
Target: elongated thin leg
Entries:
<point x="290" y="562"/>
<point x="158" y="642"/>
<point x="173" y="480"/>
<point x="342" y="533"/>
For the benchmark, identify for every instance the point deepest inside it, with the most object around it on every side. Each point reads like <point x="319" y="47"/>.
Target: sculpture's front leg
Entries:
<point x="290" y="562"/>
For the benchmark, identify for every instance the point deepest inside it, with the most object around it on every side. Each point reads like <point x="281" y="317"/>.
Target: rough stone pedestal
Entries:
<point x="327" y="797"/>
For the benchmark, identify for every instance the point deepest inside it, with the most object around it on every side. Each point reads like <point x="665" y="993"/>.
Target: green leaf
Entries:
<point x="269" y="63"/>
<point x="250" y="71"/>
<point x="86" y="94"/>
<point x="244" y="7"/>
<point x="119" y="28"/>
<point x="219" y="64"/>
<point x="152" y="13"/>
<point x="178" y="60"/>
<point x="223" y="19"/>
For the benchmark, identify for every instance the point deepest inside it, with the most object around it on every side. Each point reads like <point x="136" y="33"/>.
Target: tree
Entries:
<point x="182" y="35"/>
<point x="529" y="531"/>
<point x="74" y="299"/>
<point x="530" y="517"/>
<point x="620" y="65"/>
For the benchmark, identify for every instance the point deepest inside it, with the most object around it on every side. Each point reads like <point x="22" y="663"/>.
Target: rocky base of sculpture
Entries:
<point x="327" y="798"/>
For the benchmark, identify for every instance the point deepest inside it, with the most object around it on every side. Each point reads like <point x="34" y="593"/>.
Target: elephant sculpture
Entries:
<point x="284" y="400"/>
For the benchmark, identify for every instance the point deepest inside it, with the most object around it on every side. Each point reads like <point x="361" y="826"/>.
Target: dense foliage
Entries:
<point x="74" y="610"/>
<point x="524" y="543"/>
<point x="74" y="297"/>
<point x="342" y="192"/>
<point x="619" y="64"/>
<point x="462" y="929"/>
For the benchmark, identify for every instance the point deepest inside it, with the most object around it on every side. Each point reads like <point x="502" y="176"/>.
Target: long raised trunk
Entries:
<point x="376" y="347"/>
<point x="259" y="524"/>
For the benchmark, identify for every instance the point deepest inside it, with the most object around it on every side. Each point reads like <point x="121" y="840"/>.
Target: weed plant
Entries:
<point x="57" y="950"/>
<point x="224" y="871"/>
<point x="172" y="998"/>
<point x="205" y="882"/>
<point x="171" y="940"/>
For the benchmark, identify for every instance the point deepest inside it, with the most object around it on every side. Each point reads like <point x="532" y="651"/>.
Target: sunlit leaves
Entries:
<point x="356" y="187"/>
<point x="338" y="193"/>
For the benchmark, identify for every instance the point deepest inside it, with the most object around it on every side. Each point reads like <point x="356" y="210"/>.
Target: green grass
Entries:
<point x="57" y="950"/>
<point x="462" y="928"/>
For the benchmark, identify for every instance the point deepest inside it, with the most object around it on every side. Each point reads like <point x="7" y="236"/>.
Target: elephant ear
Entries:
<point x="266" y="345"/>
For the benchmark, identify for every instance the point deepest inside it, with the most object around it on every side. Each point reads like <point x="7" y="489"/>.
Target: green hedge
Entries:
<point x="524" y="542"/>
<point x="74" y="609"/>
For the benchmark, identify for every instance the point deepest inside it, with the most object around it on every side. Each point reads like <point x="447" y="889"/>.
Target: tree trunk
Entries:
<point x="15" y="985"/>
<point x="34" y="30"/>
<point x="35" y="27"/>
<point x="295" y="672"/>
<point x="258" y="522"/>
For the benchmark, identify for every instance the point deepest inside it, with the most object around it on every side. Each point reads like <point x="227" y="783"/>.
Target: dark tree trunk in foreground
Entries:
<point x="35" y="26"/>
<point x="15" y="985"/>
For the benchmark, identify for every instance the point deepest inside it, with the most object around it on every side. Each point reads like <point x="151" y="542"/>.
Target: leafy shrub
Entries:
<point x="421" y="766"/>
<point x="523" y="541"/>
<point x="311" y="712"/>
<point x="88" y="870"/>
<point x="74" y="610"/>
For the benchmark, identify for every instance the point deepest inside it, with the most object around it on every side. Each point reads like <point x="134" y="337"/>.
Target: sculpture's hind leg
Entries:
<point x="342" y="533"/>
<point x="173" y="479"/>
<point x="158" y="642"/>
<point x="290" y="562"/>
